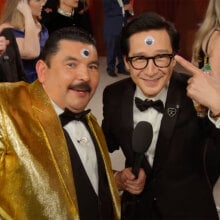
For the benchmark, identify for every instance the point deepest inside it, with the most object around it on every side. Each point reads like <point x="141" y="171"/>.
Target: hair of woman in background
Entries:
<point x="206" y="47"/>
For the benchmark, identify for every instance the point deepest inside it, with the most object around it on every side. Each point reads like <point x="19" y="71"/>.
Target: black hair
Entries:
<point x="146" y="22"/>
<point x="51" y="46"/>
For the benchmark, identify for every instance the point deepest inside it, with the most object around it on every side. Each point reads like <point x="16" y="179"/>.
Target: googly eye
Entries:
<point x="149" y="40"/>
<point x="85" y="53"/>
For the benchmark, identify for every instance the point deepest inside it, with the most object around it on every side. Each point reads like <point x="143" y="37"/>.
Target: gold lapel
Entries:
<point x="53" y="136"/>
<point x="99" y="136"/>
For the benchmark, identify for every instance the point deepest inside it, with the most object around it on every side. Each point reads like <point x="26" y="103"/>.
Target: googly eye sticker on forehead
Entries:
<point x="149" y="40"/>
<point x="85" y="53"/>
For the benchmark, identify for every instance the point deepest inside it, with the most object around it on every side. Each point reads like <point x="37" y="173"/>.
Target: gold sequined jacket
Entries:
<point x="36" y="180"/>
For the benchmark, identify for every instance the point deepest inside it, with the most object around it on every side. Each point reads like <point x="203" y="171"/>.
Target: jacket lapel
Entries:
<point x="127" y="120"/>
<point x="53" y="135"/>
<point x="172" y="108"/>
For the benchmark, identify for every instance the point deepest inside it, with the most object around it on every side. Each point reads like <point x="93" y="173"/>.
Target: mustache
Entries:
<point x="80" y="86"/>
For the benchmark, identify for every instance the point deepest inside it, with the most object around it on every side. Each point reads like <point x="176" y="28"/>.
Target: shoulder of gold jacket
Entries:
<point x="34" y="160"/>
<point x="33" y="183"/>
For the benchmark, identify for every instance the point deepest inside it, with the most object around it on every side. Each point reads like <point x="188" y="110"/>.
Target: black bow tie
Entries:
<point x="143" y="105"/>
<point x="68" y="116"/>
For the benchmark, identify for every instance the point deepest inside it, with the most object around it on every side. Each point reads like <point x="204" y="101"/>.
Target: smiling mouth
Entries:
<point x="152" y="80"/>
<point x="80" y="90"/>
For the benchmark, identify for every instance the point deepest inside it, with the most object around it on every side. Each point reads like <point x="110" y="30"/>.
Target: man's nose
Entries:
<point x="83" y="73"/>
<point x="151" y="68"/>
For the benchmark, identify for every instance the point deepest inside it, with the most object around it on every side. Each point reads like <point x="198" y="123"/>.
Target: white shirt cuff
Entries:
<point x="215" y="122"/>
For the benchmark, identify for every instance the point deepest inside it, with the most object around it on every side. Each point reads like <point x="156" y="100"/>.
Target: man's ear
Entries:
<point x="41" y="68"/>
<point x="126" y="63"/>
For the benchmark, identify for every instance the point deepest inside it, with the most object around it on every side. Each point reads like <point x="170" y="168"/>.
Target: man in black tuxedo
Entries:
<point x="177" y="184"/>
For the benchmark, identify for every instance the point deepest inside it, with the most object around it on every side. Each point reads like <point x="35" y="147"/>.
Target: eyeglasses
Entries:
<point x="141" y="62"/>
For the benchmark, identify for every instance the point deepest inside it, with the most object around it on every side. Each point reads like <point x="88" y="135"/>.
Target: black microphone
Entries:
<point x="141" y="140"/>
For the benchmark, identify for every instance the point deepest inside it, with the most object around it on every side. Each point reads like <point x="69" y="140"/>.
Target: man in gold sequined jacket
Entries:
<point x="38" y="178"/>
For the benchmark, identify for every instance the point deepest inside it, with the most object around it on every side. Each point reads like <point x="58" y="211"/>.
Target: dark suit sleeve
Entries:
<point x="212" y="155"/>
<point x="109" y="110"/>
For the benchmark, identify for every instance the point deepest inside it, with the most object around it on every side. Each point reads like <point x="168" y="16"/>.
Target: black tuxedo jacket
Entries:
<point x="177" y="186"/>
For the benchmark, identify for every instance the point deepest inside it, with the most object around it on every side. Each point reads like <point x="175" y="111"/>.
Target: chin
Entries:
<point x="151" y="92"/>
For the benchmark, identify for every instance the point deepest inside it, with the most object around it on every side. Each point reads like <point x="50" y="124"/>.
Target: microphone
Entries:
<point x="141" y="140"/>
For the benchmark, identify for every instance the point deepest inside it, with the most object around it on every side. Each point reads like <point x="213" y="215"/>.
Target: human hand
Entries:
<point x="48" y="10"/>
<point x="24" y="8"/>
<point x="3" y="44"/>
<point x="203" y="88"/>
<point x="81" y="12"/>
<point x="128" y="7"/>
<point x="125" y="180"/>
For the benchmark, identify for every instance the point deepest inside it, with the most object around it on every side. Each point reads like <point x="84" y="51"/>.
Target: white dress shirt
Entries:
<point x="215" y="122"/>
<point x="152" y="116"/>
<point x="120" y="2"/>
<point x="84" y="146"/>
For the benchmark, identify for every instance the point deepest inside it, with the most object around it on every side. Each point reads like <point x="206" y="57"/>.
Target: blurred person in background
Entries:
<point x="22" y="17"/>
<point x="114" y="20"/>
<point x="3" y="44"/>
<point x="64" y="16"/>
<point x="83" y="16"/>
<point x="11" y="67"/>
<point x="48" y="10"/>
<point x="206" y="47"/>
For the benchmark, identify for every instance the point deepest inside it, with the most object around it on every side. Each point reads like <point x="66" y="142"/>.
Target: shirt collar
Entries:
<point x="65" y="13"/>
<point x="57" y="109"/>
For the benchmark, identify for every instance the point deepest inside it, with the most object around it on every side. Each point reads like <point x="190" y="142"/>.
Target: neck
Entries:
<point x="66" y="8"/>
<point x="64" y="13"/>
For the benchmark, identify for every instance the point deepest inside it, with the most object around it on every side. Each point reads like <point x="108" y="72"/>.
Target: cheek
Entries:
<point x="134" y="75"/>
<point x="165" y="79"/>
<point x="169" y="72"/>
<point x="36" y="8"/>
<point x="94" y="83"/>
<point x="59" y="83"/>
<point x="94" y="77"/>
<point x="34" y="11"/>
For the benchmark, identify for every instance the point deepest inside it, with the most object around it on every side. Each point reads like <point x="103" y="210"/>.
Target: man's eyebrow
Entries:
<point x="95" y="62"/>
<point x="69" y="58"/>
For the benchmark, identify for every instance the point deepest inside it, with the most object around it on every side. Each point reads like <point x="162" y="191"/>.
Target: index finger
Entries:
<point x="188" y="65"/>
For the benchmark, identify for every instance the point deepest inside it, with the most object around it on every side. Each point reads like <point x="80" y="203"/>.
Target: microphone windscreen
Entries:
<point x="142" y="137"/>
